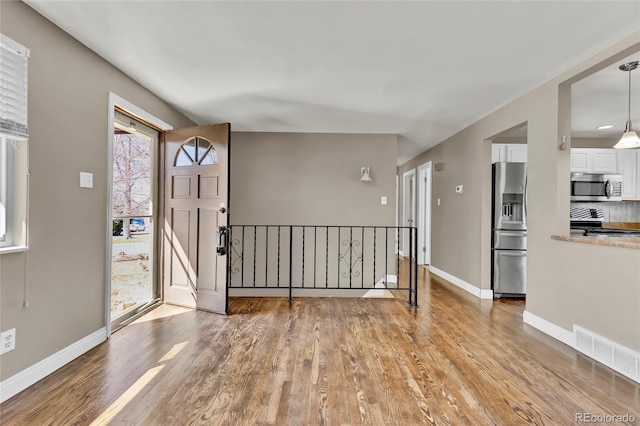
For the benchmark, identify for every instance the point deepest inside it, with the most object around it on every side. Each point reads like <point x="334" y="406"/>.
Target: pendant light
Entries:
<point x="629" y="138"/>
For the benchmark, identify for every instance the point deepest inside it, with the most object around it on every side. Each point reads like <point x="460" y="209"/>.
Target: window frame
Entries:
<point x="14" y="150"/>
<point x="3" y="189"/>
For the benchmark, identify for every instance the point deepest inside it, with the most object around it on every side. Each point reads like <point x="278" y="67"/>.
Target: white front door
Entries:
<point x="196" y="197"/>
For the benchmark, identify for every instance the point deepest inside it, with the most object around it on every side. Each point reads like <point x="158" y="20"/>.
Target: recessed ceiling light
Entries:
<point x="606" y="126"/>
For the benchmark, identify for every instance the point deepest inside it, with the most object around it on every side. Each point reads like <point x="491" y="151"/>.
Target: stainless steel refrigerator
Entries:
<point x="509" y="230"/>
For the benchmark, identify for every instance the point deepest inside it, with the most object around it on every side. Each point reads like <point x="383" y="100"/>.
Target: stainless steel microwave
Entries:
<point x="596" y="187"/>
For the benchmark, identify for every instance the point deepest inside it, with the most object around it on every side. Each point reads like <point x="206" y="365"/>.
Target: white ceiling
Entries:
<point x="422" y="70"/>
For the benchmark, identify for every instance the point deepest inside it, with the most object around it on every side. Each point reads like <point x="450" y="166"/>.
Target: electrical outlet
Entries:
<point x="7" y="341"/>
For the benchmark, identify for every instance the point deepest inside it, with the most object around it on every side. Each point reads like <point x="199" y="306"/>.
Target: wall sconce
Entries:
<point x="364" y="174"/>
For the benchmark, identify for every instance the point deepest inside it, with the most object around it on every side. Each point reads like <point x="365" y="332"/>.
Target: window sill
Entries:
<point x="13" y="249"/>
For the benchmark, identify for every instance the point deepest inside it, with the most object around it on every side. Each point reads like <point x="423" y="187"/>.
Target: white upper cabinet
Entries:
<point x="588" y="160"/>
<point x="581" y="160"/>
<point x="514" y="153"/>
<point x="628" y="164"/>
<point x="498" y="153"/>
<point x="604" y="161"/>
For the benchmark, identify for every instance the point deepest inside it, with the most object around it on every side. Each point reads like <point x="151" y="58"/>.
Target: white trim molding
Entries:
<point x="557" y="332"/>
<point x="117" y="101"/>
<point x="481" y="293"/>
<point x="425" y="178"/>
<point x="27" y="377"/>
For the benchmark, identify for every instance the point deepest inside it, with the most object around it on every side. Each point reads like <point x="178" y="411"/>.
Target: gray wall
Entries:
<point x="68" y="96"/>
<point x="312" y="179"/>
<point x="567" y="283"/>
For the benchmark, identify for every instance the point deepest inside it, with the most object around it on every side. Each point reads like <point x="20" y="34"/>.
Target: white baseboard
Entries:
<point x="27" y="377"/>
<point x="482" y="293"/>
<point x="557" y="332"/>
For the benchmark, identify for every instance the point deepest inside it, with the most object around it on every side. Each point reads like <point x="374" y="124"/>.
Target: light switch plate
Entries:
<point x="459" y="189"/>
<point x="383" y="200"/>
<point x="86" y="180"/>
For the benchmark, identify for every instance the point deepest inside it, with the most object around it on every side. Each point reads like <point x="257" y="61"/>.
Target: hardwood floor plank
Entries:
<point x="334" y="361"/>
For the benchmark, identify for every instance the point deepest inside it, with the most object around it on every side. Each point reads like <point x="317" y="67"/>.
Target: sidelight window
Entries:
<point x="13" y="144"/>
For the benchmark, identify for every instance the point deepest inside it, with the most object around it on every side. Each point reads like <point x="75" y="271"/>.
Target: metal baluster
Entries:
<point x="410" y="257"/>
<point x="266" y="257"/>
<point x="315" y="248"/>
<point x="350" y="254"/>
<point x="242" y="259"/>
<point x="398" y="256"/>
<point x="278" y="256"/>
<point x="255" y="254"/>
<point x="290" y="264"/>
<point x="362" y="260"/>
<point x="415" y="281"/>
<point x="326" y="260"/>
<point x="338" y="239"/>
<point x="386" y="256"/>
<point x="375" y="238"/>
<point x="303" y="240"/>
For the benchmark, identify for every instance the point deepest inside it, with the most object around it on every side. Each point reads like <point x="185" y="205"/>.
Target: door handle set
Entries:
<point x="221" y="235"/>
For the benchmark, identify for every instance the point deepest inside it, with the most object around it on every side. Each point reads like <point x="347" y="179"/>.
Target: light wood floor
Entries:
<point x="455" y="360"/>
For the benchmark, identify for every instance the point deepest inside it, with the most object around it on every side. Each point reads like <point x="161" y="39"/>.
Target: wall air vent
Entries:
<point x="607" y="352"/>
<point x="584" y="342"/>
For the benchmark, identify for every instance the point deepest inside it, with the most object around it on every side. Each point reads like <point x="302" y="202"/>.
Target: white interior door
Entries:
<point x="196" y="198"/>
<point x="424" y="214"/>
<point x="409" y="195"/>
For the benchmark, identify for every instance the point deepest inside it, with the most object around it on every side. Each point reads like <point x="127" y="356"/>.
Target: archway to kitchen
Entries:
<point x="509" y="213"/>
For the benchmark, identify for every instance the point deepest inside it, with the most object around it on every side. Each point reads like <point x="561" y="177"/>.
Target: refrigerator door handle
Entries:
<point x="524" y="201"/>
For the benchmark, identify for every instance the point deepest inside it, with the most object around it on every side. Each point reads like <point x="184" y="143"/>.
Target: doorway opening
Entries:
<point x="409" y="207"/>
<point x="134" y="177"/>
<point x="424" y="214"/>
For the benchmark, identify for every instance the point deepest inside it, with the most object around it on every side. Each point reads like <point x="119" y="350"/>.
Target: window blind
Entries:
<point x="13" y="87"/>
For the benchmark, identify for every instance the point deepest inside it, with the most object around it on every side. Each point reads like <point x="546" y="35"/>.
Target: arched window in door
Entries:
<point x="196" y="151"/>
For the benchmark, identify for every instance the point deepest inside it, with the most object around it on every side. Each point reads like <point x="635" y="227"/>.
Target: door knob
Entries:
<point x="223" y="208"/>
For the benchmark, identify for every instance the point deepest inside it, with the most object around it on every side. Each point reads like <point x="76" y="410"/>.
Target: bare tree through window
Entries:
<point x="131" y="177"/>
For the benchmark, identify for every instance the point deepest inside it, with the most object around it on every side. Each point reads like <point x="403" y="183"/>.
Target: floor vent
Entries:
<point x="611" y="354"/>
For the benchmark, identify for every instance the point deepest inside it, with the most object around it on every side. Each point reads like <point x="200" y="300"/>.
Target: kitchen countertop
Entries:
<point x="621" y="225"/>
<point x="576" y="236"/>
<point x="602" y="240"/>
